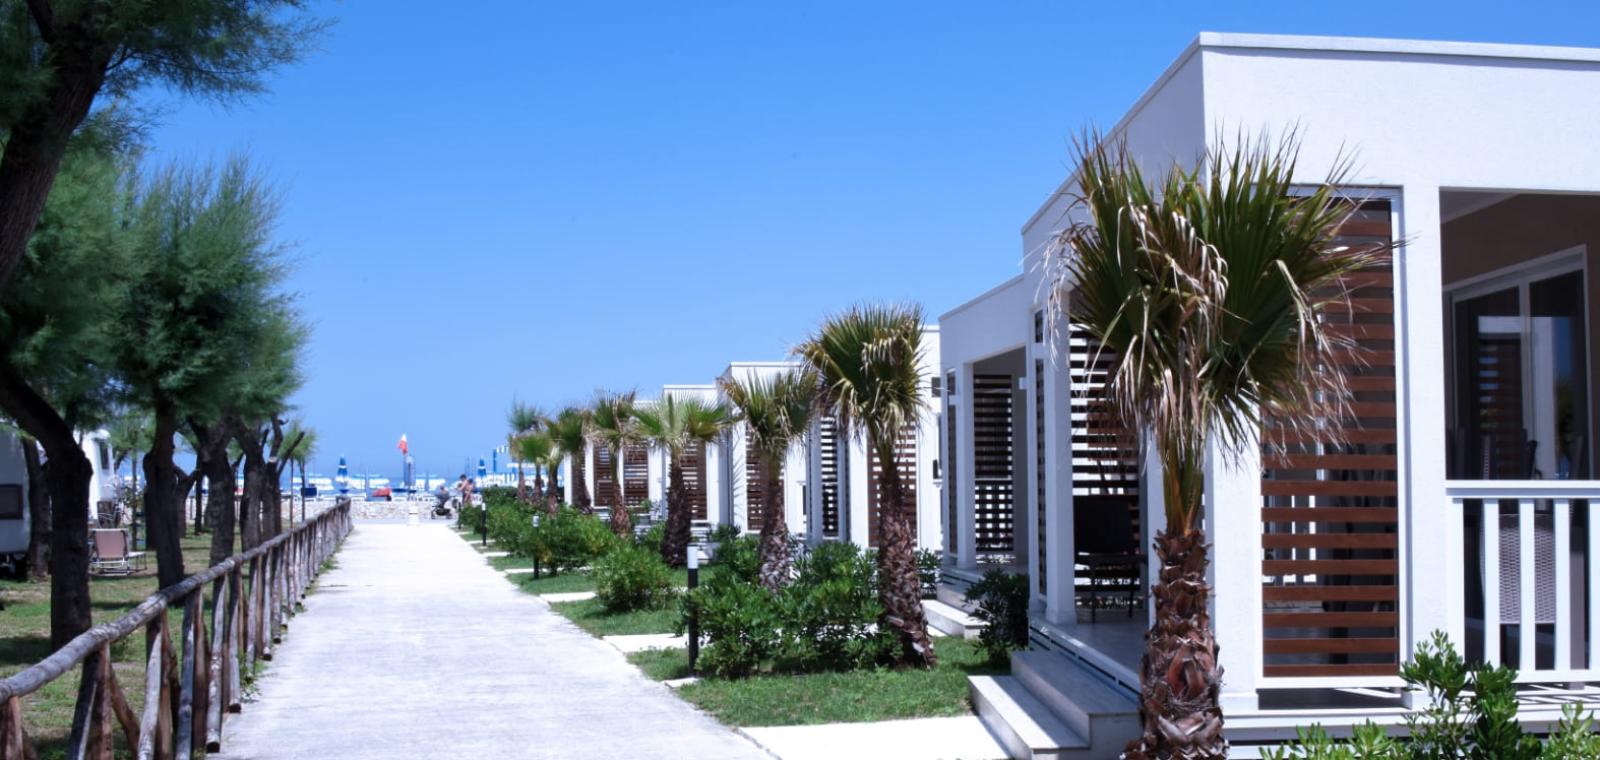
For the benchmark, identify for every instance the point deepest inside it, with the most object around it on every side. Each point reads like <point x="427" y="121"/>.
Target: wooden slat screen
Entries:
<point x="993" y="488"/>
<point x="605" y="476"/>
<point x="1105" y="461"/>
<point x="951" y="466"/>
<point x="693" y="462"/>
<point x="755" y="479"/>
<point x="1040" y="507"/>
<point x="635" y="474"/>
<point x="905" y="451"/>
<point x="828" y="447"/>
<point x="1330" y="510"/>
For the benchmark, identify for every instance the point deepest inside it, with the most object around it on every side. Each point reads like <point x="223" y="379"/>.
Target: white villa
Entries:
<point x="1465" y="500"/>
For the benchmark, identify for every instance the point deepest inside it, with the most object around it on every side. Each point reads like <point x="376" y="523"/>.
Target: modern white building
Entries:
<point x="1464" y="500"/>
<point x="737" y="473"/>
<point x="843" y="505"/>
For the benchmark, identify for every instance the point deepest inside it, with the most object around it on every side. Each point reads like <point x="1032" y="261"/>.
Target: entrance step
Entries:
<point x="1021" y="723"/>
<point x="951" y="621"/>
<point x="1105" y="715"/>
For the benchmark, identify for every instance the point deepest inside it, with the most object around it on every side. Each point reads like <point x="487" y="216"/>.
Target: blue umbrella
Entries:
<point x="482" y="468"/>
<point x="343" y="478"/>
<point x="495" y="455"/>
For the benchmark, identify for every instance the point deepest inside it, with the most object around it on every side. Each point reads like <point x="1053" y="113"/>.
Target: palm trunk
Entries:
<point x="162" y="510"/>
<point x="899" y="584"/>
<point x="580" y="484"/>
<point x="675" y="541"/>
<point x="1180" y="681"/>
<point x="774" y="531"/>
<point x="538" y="482"/>
<point x="621" y="520"/>
<point x="552" y="497"/>
<point x="38" y="513"/>
<point x="522" y="484"/>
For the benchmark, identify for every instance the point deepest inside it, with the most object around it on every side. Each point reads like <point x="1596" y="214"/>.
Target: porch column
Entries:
<point x="966" y="521"/>
<point x="1233" y="524"/>
<point x="1432" y="585"/>
<point x="853" y="521"/>
<point x="1061" y="591"/>
<point x="814" y="484"/>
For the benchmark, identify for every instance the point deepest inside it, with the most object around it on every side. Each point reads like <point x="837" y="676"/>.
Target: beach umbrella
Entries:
<point x="344" y="475"/>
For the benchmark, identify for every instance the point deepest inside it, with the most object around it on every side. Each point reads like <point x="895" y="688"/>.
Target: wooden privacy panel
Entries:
<point x="635" y="474"/>
<point x="693" y="462"/>
<point x="828" y="448"/>
<point x="952" y="464"/>
<point x="755" y="481"/>
<point x="993" y="487"/>
<point x="1105" y="460"/>
<point x="905" y="453"/>
<point x="605" y="476"/>
<point x="1330" y="510"/>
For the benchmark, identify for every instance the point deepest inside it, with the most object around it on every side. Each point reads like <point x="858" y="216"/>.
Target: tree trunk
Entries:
<point x="1180" y="681"/>
<point x="38" y="513"/>
<point x="255" y="476"/>
<point x="163" y="513"/>
<point x="218" y="472"/>
<point x="522" y="484"/>
<point x="675" y="541"/>
<point x="774" y="529"/>
<point x="580" y="484"/>
<point x="621" y="520"/>
<point x="552" y="494"/>
<point x="67" y="476"/>
<point x="37" y="141"/>
<point x="899" y="584"/>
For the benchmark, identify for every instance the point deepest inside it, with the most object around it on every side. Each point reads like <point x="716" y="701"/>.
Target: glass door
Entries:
<point x="1521" y="379"/>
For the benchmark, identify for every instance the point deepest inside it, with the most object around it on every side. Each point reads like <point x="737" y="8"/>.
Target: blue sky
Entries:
<point x="542" y="199"/>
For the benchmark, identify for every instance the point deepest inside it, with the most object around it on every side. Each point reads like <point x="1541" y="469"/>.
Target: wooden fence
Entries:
<point x="190" y="688"/>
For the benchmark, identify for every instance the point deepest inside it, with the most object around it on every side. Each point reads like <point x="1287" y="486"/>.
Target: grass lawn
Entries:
<point x="860" y="696"/>
<point x="591" y="617"/>
<point x="25" y="639"/>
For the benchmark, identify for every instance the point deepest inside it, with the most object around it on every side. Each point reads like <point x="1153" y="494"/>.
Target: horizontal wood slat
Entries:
<point x="1330" y="514"/>
<point x="1368" y="435"/>
<point x="1358" y="226"/>
<point x="1329" y="541"/>
<point x="1330" y="567"/>
<point x="1329" y="461"/>
<point x="1329" y="646"/>
<point x="1330" y="619"/>
<point x="1313" y="671"/>
<point x="1316" y="593"/>
<point x="1329" y="488"/>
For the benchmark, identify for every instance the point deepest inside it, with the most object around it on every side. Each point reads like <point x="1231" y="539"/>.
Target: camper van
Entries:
<point x="15" y="521"/>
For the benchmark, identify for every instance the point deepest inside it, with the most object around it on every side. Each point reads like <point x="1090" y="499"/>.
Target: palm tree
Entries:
<point x="1208" y="290"/>
<point x="535" y="449"/>
<point x="612" y="425"/>
<point x="304" y="448"/>
<point x="777" y="413"/>
<point x="570" y="431"/>
<point x="552" y="466"/>
<point x="521" y="419"/>
<point x="676" y="426"/>
<point x="868" y="360"/>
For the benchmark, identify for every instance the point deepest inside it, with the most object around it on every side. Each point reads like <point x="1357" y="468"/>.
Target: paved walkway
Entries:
<point x="413" y="647"/>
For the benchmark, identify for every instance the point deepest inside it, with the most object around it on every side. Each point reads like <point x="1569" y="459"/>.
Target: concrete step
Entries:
<point x="1023" y="725"/>
<point x="951" y="621"/>
<point x="950" y="595"/>
<point x="1106" y="715"/>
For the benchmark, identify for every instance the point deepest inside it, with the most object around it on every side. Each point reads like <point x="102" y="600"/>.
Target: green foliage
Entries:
<point x="928" y="563"/>
<point x="632" y="578"/>
<point x="826" y="619"/>
<point x="723" y="534"/>
<point x="652" y="538"/>
<point x="512" y="528"/>
<point x="1470" y="713"/>
<point x="741" y="556"/>
<point x="499" y="496"/>
<point x="569" y="539"/>
<point x="1002" y="600"/>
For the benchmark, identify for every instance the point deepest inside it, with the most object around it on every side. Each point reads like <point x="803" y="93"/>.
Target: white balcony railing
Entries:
<point x="1532" y="576"/>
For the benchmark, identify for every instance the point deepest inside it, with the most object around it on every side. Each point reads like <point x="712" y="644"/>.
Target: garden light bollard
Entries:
<point x="692" y="557"/>
<point x="483" y="524"/>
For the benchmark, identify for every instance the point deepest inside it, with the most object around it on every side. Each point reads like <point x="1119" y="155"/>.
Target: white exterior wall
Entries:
<point x="714" y="476"/>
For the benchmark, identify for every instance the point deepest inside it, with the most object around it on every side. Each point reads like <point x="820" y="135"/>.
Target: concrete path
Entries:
<point x="413" y="647"/>
<point x="959" y="738"/>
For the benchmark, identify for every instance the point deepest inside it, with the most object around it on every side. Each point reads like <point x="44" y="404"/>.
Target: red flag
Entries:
<point x="405" y="448"/>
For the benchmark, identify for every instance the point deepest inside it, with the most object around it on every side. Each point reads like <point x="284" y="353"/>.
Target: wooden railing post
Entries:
<point x="236" y="625"/>
<point x="216" y="670"/>
<point x="13" y="741"/>
<point x="155" y="728"/>
<point x="90" y="737"/>
<point x="183" y="745"/>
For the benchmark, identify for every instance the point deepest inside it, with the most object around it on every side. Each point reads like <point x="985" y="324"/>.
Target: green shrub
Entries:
<point x="724" y="533"/>
<point x="1002" y="600"/>
<point x="632" y="578"/>
<point x="499" y="496"/>
<point x="652" y="538"/>
<point x="512" y="528"/>
<point x="1470" y="713"/>
<point x="829" y="614"/>
<point x="741" y="557"/>
<point x="928" y="571"/>
<point x="569" y="539"/>
<point x="739" y="622"/>
<point x="470" y="517"/>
